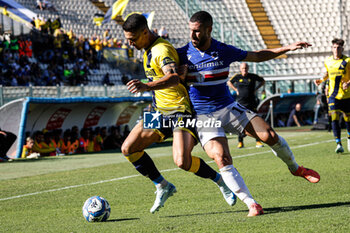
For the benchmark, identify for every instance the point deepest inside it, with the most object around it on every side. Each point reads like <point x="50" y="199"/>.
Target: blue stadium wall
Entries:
<point x="32" y="114"/>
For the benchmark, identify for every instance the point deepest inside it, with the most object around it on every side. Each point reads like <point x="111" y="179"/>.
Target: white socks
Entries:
<point x="282" y="150"/>
<point x="162" y="184"/>
<point x="235" y="182"/>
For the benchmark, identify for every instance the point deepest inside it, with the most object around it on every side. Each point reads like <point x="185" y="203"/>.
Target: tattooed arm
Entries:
<point x="171" y="78"/>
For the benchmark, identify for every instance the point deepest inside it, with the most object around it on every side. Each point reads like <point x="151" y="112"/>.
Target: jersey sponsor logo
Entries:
<point x="206" y="65"/>
<point x="150" y="73"/>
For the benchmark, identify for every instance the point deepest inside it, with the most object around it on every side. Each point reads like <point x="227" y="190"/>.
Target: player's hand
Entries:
<point x="346" y="85"/>
<point x="299" y="45"/>
<point x="135" y="86"/>
<point x="182" y="72"/>
<point x="3" y="133"/>
<point x="317" y="82"/>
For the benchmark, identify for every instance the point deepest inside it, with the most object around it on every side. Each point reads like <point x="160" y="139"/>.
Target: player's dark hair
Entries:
<point x="203" y="18"/>
<point x="135" y="23"/>
<point x="338" y="41"/>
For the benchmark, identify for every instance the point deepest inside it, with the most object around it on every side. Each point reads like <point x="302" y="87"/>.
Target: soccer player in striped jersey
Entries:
<point x="171" y="99"/>
<point x="338" y="74"/>
<point x="208" y="62"/>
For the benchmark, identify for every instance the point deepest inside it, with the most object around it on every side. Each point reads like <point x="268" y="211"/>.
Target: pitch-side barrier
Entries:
<point x="32" y="114"/>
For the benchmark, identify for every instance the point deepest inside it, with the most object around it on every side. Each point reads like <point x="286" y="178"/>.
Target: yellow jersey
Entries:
<point x="338" y="72"/>
<point x="26" y="152"/>
<point x="169" y="100"/>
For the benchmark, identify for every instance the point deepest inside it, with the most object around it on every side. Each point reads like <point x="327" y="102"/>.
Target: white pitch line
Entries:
<point x="132" y="176"/>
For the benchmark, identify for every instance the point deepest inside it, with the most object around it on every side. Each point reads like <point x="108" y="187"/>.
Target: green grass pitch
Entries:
<point x="47" y="195"/>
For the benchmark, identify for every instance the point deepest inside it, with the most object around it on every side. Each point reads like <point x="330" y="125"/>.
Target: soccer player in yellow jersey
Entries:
<point x="338" y="74"/>
<point x="170" y="98"/>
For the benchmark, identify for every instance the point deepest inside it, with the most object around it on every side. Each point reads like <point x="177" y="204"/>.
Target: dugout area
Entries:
<point x="32" y="114"/>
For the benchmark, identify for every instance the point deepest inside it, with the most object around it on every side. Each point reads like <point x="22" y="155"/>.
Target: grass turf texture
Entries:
<point x="57" y="188"/>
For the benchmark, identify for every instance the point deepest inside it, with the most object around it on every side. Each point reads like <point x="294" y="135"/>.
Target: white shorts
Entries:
<point x="234" y="118"/>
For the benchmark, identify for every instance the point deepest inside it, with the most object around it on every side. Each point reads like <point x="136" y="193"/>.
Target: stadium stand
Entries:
<point x="233" y="23"/>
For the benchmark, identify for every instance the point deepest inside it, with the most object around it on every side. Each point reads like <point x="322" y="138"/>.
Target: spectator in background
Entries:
<point x="163" y="33"/>
<point x="33" y="23"/>
<point x="4" y="11"/>
<point x="295" y="117"/>
<point x="113" y="140"/>
<point x="39" y="5"/>
<point x="42" y="144"/>
<point x="21" y="46"/>
<point x="106" y="80"/>
<point x="83" y="140"/>
<point x="91" y="143"/>
<point x="27" y="151"/>
<point x="6" y="141"/>
<point x="245" y="85"/>
<point x="106" y="34"/>
<point x="321" y="106"/>
<point x="125" y="79"/>
<point x="155" y="31"/>
<point x="98" y="47"/>
<point x="56" y="24"/>
<point x="74" y="140"/>
<point x="98" y="139"/>
<point x="28" y="48"/>
<point x="48" y="5"/>
<point x="14" y="46"/>
<point x="65" y="143"/>
<point x="126" y="132"/>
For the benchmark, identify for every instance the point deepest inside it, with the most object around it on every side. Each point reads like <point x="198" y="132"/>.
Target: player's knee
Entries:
<point x="126" y="148"/>
<point x="222" y="160"/>
<point x="181" y="163"/>
<point x="269" y="136"/>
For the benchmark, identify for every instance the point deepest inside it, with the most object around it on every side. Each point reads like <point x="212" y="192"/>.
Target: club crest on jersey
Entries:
<point x="214" y="55"/>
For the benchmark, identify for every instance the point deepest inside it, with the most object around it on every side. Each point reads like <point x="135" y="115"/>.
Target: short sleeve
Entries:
<point x="258" y="78"/>
<point x="235" y="54"/>
<point x="164" y="55"/>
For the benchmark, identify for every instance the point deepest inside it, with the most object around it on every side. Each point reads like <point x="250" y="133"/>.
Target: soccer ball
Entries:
<point x="96" y="209"/>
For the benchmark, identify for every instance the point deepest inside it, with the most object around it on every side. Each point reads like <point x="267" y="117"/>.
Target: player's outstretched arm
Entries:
<point x="268" y="54"/>
<point x="171" y="78"/>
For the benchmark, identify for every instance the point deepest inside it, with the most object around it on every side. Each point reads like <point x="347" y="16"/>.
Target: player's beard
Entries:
<point x="199" y="43"/>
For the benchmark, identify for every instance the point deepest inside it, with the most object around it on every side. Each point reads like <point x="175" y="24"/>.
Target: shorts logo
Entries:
<point x="152" y="120"/>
